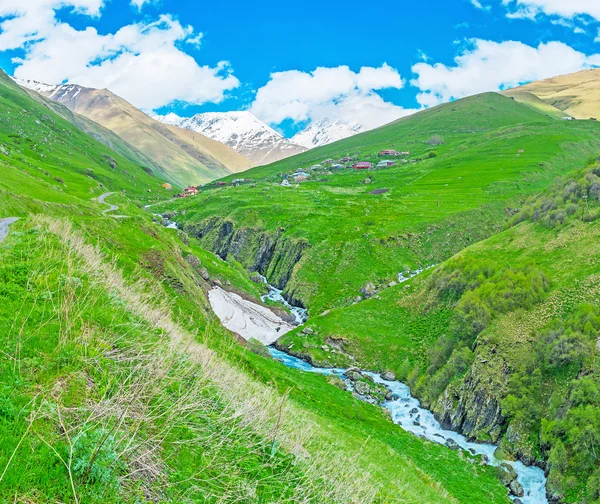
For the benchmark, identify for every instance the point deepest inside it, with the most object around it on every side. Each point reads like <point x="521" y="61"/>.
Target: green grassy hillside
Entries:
<point x="502" y="340"/>
<point x="474" y="161"/>
<point x="118" y="384"/>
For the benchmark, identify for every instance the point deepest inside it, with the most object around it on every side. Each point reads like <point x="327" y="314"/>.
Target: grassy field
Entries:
<point x="366" y="227"/>
<point x="532" y="360"/>
<point x="120" y="385"/>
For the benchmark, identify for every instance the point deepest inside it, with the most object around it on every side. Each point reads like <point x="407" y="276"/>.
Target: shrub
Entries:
<point x="258" y="348"/>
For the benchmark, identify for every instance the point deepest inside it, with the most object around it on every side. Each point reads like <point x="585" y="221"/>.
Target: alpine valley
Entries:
<point x="408" y="314"/>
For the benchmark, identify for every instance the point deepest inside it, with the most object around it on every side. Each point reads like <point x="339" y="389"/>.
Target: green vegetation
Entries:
<point x="495" y="153"/>
<point x="502" y="340"/>
<point x="120" y="385"/>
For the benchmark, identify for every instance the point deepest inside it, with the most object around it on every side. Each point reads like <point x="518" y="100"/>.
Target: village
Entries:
<point x="391" y="157"/>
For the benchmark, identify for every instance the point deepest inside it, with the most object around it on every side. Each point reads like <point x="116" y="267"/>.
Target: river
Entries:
<point x="407" y="413"/>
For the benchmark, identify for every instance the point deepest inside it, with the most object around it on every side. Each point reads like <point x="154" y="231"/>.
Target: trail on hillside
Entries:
<point x="111" y="208"/>
<point x="4" y="225"/>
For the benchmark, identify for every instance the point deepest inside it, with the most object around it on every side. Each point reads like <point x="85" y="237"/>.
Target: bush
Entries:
<point x="435" y="140"/>
<point x="258" y="348"/>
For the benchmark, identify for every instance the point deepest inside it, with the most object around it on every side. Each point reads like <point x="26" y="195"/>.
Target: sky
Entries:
<point x="293" y="63"/>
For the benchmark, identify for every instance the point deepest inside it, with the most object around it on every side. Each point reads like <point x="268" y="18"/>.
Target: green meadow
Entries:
<point x="120" y="385"/>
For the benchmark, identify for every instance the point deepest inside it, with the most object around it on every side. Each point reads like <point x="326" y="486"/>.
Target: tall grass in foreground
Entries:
<point x="106" y="399"/>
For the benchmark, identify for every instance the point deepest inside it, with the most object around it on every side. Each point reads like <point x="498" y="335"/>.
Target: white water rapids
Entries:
<point x="405" y="410"/>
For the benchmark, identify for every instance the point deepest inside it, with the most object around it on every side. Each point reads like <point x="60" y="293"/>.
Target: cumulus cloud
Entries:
<point x="336" y="93"/>
<point x="562" y="8"/>
<point x="492" y="66"/>
<point x="142" y="62"/>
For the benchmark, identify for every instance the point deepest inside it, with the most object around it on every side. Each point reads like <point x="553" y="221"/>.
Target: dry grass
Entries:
<point x="247" y="403"/>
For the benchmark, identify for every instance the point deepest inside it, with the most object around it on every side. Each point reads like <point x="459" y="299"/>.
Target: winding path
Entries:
<point x="4" y="224"/>
<point x="111" y="208"/>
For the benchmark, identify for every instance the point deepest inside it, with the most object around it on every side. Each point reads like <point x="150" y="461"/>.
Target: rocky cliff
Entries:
<point x="271" y="254"/>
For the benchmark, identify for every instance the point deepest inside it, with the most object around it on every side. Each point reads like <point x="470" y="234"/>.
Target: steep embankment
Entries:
<point x="471" y="164"/>
<point x="183" y="157"/>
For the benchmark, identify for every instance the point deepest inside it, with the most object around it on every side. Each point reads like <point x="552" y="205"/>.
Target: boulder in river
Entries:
<point x="453" y="445"/>
<point x="368" y="289"/>
<point x="388" y="376"/>
<point x="353" y="375"/>
<point x="516" y="488"/>
<point x="506" y="473"/>
<point x="362" y="388"/>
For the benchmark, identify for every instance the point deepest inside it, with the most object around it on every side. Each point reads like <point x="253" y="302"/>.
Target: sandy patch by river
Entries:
<point x="246" y="318"/>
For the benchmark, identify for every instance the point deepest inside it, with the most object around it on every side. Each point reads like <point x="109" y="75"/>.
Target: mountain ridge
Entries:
<point x="242" y="131"/>
<point x="185" y="158"/>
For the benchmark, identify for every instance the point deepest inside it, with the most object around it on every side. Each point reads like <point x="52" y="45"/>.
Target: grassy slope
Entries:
<point x="100" y="133"/>
<point x="536" y="103"/>
<point x="398" y="329"/>
<point x="576" y="94"/>
<point x="78" y="339"/>
<point x="496" y="152"/>
<point x="185" y="158"/>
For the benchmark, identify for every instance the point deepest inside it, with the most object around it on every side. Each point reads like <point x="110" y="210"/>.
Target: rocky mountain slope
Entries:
<point x="184" y="157"/>
<point x="326" y="131"/>
<point x="242" y="131"/>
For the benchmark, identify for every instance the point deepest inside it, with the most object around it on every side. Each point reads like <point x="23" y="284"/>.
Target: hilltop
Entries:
<point x="574" y="94"/>
<point x="183" y="157"/>
<point x="471" y="164"/>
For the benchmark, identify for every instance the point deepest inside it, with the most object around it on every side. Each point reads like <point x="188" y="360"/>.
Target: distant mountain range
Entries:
<point x="241" y="131"/>
<point x="326" y="131"/>
<point x="182" y="156"/>
<point x="260" y="143"/>
<point x="192" y="150"/>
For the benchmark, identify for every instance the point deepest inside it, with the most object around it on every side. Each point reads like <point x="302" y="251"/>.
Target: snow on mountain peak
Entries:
<point x="242" y="131"/>
<point x="326" y="131"/>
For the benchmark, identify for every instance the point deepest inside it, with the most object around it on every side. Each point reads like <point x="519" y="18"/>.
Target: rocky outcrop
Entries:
<point x="270" y="254"/>
<point x="471" y="409"/>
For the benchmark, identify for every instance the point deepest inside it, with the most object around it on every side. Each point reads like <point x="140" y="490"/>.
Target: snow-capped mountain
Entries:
<point x="325" y="131"/>
<point x="242" y="131"/>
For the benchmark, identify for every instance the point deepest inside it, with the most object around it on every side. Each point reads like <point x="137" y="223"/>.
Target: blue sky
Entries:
<point x="188" y="57"/>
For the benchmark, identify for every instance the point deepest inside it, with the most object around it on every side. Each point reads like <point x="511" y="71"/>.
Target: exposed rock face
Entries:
<point x="271" y="255"/>
<point x="471" y="409"/>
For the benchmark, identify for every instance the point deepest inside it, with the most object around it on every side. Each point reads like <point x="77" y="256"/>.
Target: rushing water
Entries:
<point x="407" y="412"/>
<point x="300" y="314"/>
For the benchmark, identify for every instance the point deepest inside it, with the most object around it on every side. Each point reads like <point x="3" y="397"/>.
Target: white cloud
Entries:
<point x="336" y="93"/>
<point x="478" y="5"/>
<point x="142" y="62"/>
<point x="491" y="66"/>
<point x="140" y="3"/>
<point x="563" y="8"/>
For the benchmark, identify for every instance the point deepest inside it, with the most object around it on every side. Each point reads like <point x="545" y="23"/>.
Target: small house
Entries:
<point x="327" y="162"/>
<point x="190" y="191"/>
<point x="285" y="183"/>
<point x="337" y="166"/>
<point x="237" y="182"/>
<point x="221" y="184"/>
<point x="362" y="165"/>
<point x="346" y="160"/>
<point x="167" y="186"/>
<point x="388" y="152"/>
<point x="568" y="118"/>
<point x="386" y="163"/>
<point x="316" y="167"/>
